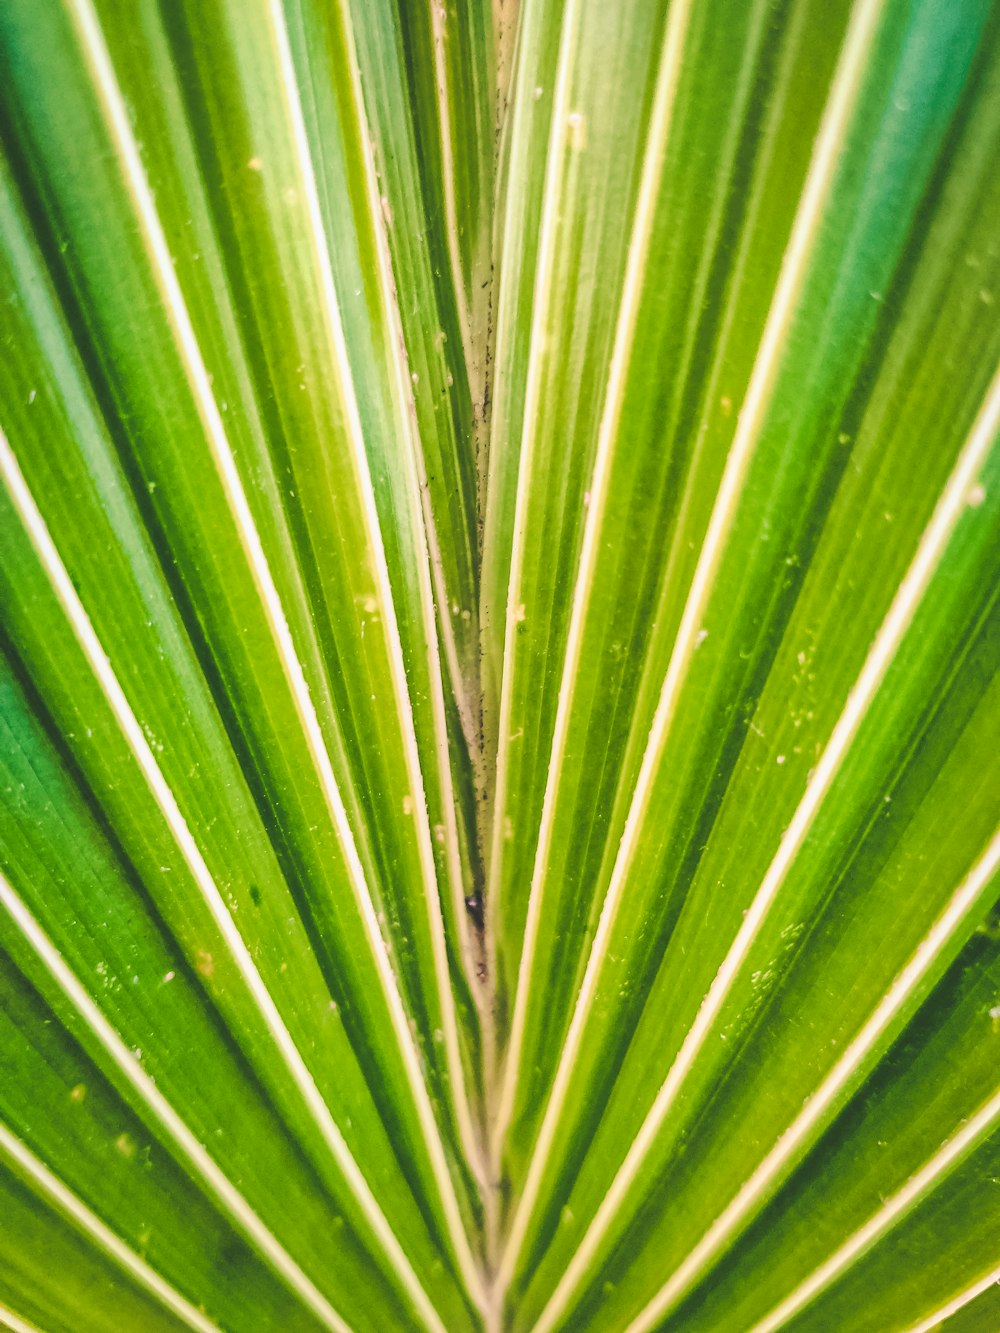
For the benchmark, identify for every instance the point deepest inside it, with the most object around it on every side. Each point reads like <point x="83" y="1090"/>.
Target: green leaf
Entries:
<point x="499" y="628"/>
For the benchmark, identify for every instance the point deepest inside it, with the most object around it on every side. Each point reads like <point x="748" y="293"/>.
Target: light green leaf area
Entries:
<point x="499" y="628"/>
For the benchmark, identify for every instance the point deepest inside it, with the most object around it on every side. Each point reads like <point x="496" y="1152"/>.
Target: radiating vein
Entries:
<point x="840" y="105"/>
<point x="930" y="550"/>
<point x="194" y="1152"/>
<point x="535" y="360"/>
<point x="962" y="904"/>
<point x="16" y="1324"/>
<point x="355" y="433"/>
<point x="438" y="15"/>
<point x="951" y="1307"/>
<point x="431" y="580"/>
<point x="893" y="1210"/>
<point x="660" y="123"/>
<point x="76" y="1211"/>
<point x="428" y="564"/>
<point x="165" y="799"/>
<point x="156" y="246"/>
<point x="461" y="690"/>
<point x="427" y="747"/>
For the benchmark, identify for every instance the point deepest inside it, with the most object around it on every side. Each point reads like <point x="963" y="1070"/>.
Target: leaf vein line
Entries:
<point x="536" y="356"/>
<point x="15" y="1322"/>
<point x="958" y="1302"/>
<point x="109" y="1242"/>
<point x="154" y="239"/>
<point x="404" y="703"/>
<point x="165" y="799"/>
<point x="949" y="1155"/>
<point x="894" y="627"/>
<point x="789" y="283"/>
<point x="966" y="898"/>
<point x="218" y="1183"/>
<point x="660" y="125"/>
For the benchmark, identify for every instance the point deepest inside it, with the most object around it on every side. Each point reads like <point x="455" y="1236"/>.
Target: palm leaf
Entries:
<point x="499" y="681"/>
